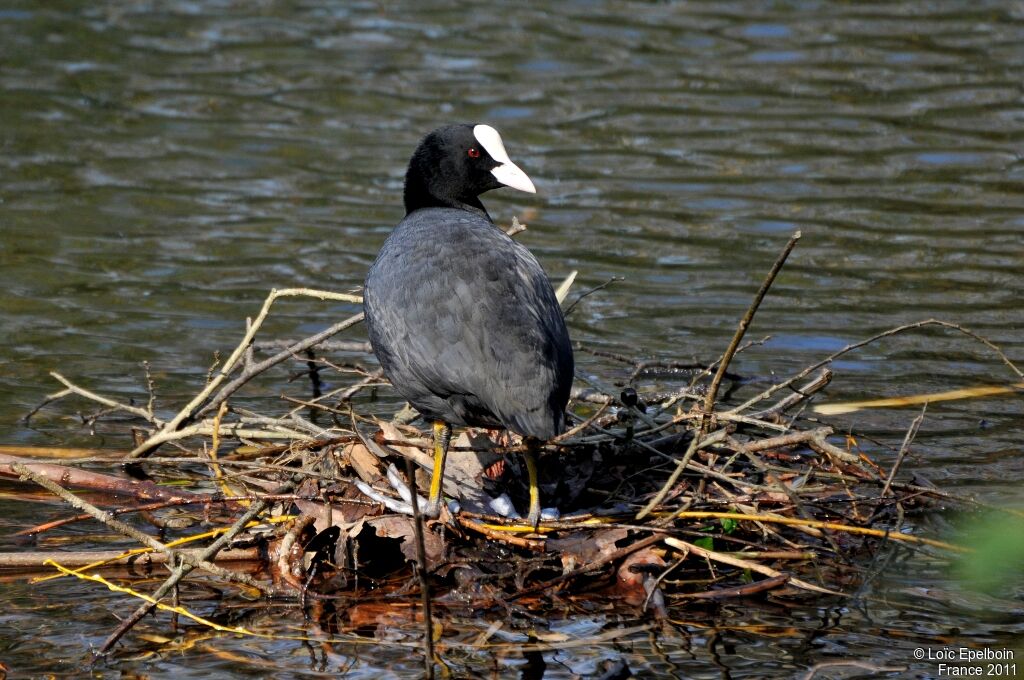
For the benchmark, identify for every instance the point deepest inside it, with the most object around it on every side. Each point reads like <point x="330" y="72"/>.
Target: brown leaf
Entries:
<point x="334" y="514"/>
<point x="580" y="549"/>
<point x="402" y="527"/>
<point x="365" y="464"/>
<point x="635" y="570"/>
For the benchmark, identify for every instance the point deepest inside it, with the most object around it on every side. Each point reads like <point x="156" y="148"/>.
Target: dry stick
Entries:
<point x="583" y="425"/>
<point x="709" y="399"/>
<point x="592" y="565"/>
<point x="862" y="665"/>
<point x="843" y="407"/>
<point x="744" y="564"/>
<point x="286" y="558"/>
<point x="515" y="227"/>
<point x="75" y="389"/>
<point x="184" y="568"/>
<point x="149" y="507"/>
<point x="904" y="449"/>
<point x="590" y="291"/>
<point x="793" y="496"/>
<point x="421" y="568"/>
<point x="822" y="446"/>
<point x="283" y="355"/>
<point x="820" y="524"/>
<point x="857" y="345"/>
<point x="534" y="544"/>
<point x="696" y="443"/>
<point x="113" y="558"/>
<point x="48" y="399"/>
<point x="206" y="428"/>
<point x="741" y="591"/>
<point x="130" y="531"/>
<point x="699" y="438"/>
<point x="332" y="346"/>
<point x="785" y="440"/>
<point x="96" y="481"/>
<point x="816" y="384"/>
<point x="196" y="407"/>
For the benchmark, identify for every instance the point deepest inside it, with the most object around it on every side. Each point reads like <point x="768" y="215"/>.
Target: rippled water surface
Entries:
<point x="164" y="164"/>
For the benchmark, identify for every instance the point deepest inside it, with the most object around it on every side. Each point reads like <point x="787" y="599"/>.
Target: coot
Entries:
<point x="462" y="318"/>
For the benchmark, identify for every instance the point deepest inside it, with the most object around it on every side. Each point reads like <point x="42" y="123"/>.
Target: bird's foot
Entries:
<point x="503" y="507"/>
<point x="533" y="517"/>
<point x="403" y="506"/>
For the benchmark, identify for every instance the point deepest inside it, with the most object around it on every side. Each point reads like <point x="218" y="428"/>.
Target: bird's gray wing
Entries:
<point x="472" y="323"/>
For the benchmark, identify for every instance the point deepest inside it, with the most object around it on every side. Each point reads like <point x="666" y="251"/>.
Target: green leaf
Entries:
<point x="997" y="540"/>
<point x="707" y="543"/>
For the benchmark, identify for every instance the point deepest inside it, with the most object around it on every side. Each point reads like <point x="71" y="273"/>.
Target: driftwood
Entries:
<point x="68" y="476"/>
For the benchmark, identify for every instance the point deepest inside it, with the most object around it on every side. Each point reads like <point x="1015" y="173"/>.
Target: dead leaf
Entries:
<point x="582" y="548"/>
<point x="401" y="527"/>
<point x="636" y="570"/>
<point x="365" y="464"/>
<point x="339" y="514"/>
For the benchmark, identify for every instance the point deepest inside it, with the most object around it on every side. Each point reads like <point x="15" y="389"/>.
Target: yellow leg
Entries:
<point x="442" y="435"/>
<point x="533" y="518"/>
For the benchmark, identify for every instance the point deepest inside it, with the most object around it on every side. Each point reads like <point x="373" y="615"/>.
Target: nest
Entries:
<point x="667" y="493"/>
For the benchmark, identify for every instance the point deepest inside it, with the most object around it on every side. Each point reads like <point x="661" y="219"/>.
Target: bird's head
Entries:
<point x="453" y="165"/>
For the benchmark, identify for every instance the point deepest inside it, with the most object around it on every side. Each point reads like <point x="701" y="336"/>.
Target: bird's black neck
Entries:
<point x="418" y="195"/>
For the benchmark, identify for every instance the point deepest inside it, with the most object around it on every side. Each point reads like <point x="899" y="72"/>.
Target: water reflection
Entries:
<point x="164" y="164"/>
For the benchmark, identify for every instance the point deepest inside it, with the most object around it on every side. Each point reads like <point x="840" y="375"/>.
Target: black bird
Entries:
<point x="462" y="318"/>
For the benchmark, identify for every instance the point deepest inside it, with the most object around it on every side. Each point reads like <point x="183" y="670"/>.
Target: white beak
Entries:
<point x="508" y="173"/>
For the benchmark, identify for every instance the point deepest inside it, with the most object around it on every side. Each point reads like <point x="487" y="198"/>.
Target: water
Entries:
<point x="163" y="165"/>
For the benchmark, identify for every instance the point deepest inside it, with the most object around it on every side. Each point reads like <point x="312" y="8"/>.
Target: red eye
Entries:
<point x="474" y="152"/>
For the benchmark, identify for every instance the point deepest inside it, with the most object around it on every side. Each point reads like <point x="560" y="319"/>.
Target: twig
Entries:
<point x="205" y="427"/>
<point x="819" y="524"/>
<point x="592" y="565"/>
<point x="48" y="399"/>
<point x="196" y="407"/>
<point x="698" y="442"/>
<point x="130" y="531"/>
<point x="741" y="591"/>
<point x="113" y="558"/>
<point x="835" y="409"/>
<point x="72" y="476"/>
<point x="563" y="289"/>
<point x="151" y="390"/>
<point x="421" y="568"/>
<point x="679" y="544"/>
<point x="709" y="399"/>
<point x="149" y="507"/>
<point x="183" y="569"/>
<point x="515" y="227"/>
<point x="583" y="425"/>
<point x="862" y="665"/>
<point x="904" y="450"/>
<point x="328" y="346"/>
<point x="590" y="291"/>
<point x="867" y="341"/>
<point x="816" y="384"/>
<point x="534" y="544"/>
<point x="819" y="443"/>
<point x="82" y="392"/>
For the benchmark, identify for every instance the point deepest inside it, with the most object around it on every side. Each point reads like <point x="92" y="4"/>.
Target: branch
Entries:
<point x="709" y="400"/>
